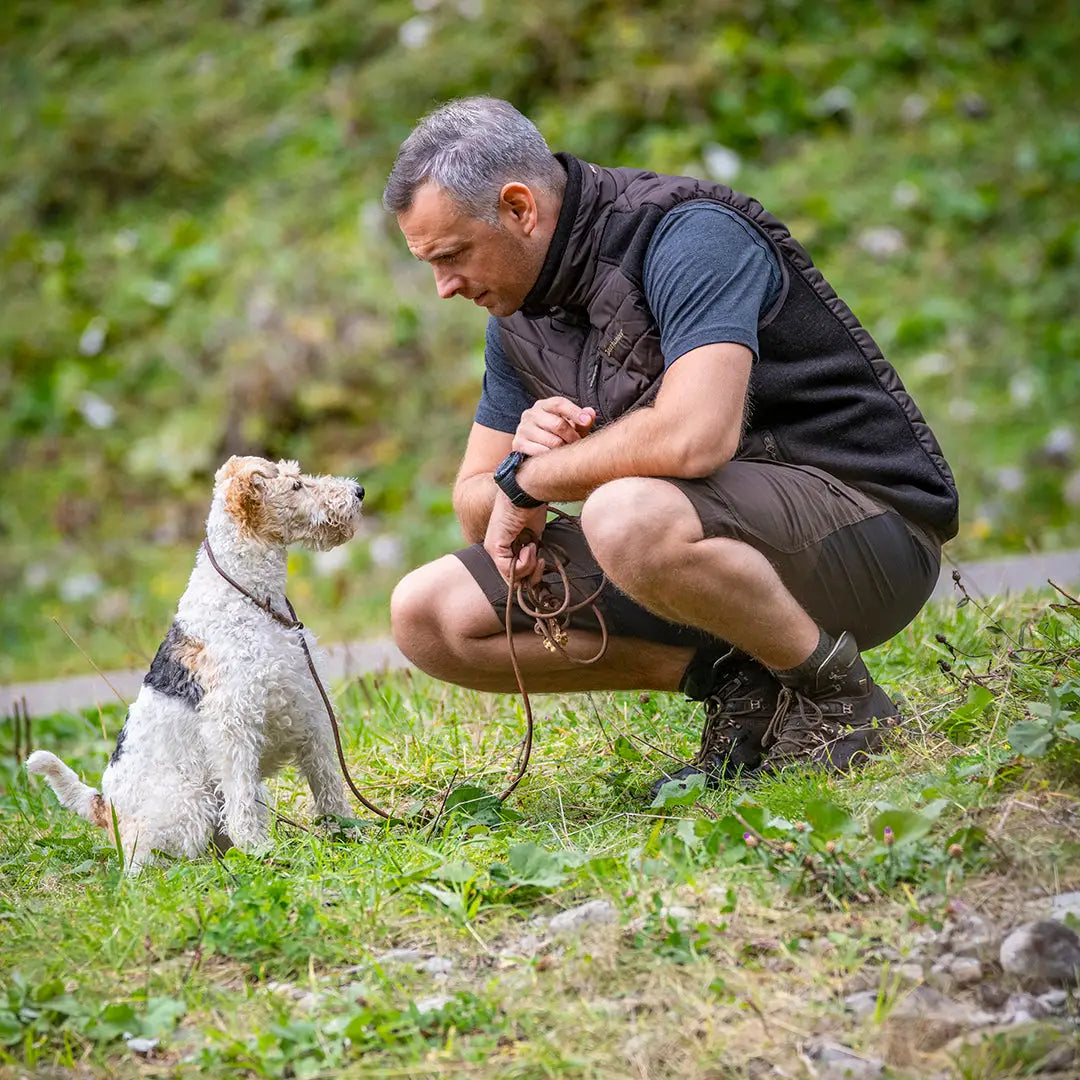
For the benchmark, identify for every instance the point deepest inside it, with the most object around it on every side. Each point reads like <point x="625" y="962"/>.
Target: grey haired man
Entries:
<point x="763" y="496"/>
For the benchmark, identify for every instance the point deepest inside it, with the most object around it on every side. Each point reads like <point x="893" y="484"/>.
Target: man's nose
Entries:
<point x="447" y="284"/>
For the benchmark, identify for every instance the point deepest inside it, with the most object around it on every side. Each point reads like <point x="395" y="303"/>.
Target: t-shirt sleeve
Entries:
<point x="503" y="398"/>
<point x="708" y="277"/>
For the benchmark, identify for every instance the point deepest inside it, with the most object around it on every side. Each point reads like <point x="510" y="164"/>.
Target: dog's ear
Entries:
<point x="239" y="466"/>
<point x="244" y="501"/>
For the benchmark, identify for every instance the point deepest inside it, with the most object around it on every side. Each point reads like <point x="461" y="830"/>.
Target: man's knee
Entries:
<point x="436" y="611"/>
<point x="635" y="524"/>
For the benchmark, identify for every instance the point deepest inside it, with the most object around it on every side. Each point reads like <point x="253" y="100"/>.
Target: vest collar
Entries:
<point x="560" y="283"/>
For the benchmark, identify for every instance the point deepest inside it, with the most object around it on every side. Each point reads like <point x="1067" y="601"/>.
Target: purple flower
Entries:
<point x="888" y="836"/>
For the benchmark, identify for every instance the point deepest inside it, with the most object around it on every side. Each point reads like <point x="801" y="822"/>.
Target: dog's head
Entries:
<point x="276" y="503"/>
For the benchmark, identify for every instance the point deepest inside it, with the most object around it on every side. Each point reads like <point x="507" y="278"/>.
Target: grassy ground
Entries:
<point x="277" y="967"/>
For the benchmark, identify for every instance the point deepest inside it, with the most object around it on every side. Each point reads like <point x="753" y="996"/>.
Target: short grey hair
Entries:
<point x="470" y="148"/>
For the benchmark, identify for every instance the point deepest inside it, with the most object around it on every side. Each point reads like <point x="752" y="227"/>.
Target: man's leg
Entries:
<point x="775" y="559"/>
<point x="443" y="621"/>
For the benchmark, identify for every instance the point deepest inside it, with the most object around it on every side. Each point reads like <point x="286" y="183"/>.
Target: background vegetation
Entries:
<point x="194" y="261"/>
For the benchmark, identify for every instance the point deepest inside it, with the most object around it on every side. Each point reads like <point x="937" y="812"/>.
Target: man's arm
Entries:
<point x="474" y="488"/>
<point x="692" y="429"/>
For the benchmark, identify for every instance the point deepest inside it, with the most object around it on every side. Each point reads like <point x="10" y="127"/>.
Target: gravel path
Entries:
<point x="990" y="578"/>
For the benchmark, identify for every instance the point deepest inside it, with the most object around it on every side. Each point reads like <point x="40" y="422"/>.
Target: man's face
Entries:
<point x="495" y="266"/>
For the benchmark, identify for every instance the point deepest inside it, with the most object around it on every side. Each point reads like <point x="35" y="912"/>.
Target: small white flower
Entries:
<point x="1060" y="442"/>
<point x="96" y="411"/>
<point x="1010" y="479"/>
<point x="92" y="339"/>
<point x="962" y="410"/>
<point x="835" y="100"/>
<point x="80" y="587"/>
<point x="905" y="195"/>
<point x="913" y="108"/>
<point x="1022" y="390"/>
<point x="326" y="563"/>
<point x="414" y="33"/>
<point x="882" y="242"/>
<point x="932" y="364"/>
<point x="386" y="551"/>
<point x="158" y="293"/>
<point x="125" y="241"/>
<point x="721" y="163"/>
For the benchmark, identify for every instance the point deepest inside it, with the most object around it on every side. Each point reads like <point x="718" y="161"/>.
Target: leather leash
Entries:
<point x="552" y="620"/>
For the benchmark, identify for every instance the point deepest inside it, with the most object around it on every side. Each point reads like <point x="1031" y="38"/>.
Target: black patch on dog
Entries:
<point x="120" y="741"/>
<point x="168" y="676"/>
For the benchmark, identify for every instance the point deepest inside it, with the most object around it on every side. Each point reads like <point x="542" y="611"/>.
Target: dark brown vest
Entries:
<point x="821" y="393"/>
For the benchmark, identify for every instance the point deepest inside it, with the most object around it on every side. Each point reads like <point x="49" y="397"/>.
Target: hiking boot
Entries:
<point x="738" y="711"/>
<point x="833" y="716"/>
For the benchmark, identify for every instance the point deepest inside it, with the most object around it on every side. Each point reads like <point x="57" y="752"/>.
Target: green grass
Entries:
<point x="271" y="967"/>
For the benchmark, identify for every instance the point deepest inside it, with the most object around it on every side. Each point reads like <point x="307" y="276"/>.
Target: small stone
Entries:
<point x="911" y="973"/>
<point x="400" y="956"/>
<point x="436" y="965"/>
<point x="1022" y="1008"/>
<point x="862" y="1003"/>
<point x="832" y="1062"/>
<point x="935" y="1018"/>
<point x="141" y="1046"/>
<point x="1042" y="952"/>
<point x="965" y="934"/>
<point x="592" y="912"/>
<point x="1065" y="903"/>
<point x="434" y="1003"/>
<point x="1053" y="1000"/>
<point x="965" y="971"/>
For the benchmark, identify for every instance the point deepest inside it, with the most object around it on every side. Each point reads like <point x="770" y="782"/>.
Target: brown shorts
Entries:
<point x="852" y="562"/>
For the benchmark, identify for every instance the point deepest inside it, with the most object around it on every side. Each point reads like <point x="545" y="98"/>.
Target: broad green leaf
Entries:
<point x="906" y="825"/>
<point x="162" y="1014"/>
<point x="626" y="749"/>
<point x="829" y="820"/>
<point x="1030" y="738"/>
<point x="679" y="792"/>
<point x="10" y="1029"/>
<point x="530" y="864"/>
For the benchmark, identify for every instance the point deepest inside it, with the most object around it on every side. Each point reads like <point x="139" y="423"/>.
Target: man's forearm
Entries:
<point x="473" y="500"/>
<point x="639" y="444"/>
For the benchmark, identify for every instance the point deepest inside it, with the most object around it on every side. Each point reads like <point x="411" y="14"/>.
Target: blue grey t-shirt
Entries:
<point x="709" y="276"/>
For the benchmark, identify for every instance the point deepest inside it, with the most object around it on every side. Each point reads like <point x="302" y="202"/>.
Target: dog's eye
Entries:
<point x="298" y="485"/>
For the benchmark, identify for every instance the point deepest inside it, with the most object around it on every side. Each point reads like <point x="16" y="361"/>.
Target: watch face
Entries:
<point x="509" y="464"/>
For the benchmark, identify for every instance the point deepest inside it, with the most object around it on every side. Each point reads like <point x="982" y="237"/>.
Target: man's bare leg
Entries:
<point x="647" y="537"/>
<point x="444" y="624"/>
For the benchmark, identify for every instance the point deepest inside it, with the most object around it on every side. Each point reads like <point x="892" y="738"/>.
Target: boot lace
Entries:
<point x="798" y="726"/>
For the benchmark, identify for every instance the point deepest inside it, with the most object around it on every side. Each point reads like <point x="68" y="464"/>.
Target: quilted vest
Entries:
<point x="820" y="393"/>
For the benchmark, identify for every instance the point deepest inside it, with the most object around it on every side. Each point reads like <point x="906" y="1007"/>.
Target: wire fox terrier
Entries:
<point x="229" y="697"/>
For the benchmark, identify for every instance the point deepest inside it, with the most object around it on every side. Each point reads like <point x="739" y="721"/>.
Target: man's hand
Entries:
<point x="506" y="524"/>
<point x="550" y="423"/>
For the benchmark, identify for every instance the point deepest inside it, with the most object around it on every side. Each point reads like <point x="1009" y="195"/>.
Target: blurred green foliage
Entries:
<point x="194" y="261"/>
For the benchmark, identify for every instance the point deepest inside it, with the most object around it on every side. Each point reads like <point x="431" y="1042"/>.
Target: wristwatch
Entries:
<point x="506" y="478"/>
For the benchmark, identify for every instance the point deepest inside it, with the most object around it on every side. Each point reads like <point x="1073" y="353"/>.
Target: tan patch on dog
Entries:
<point x="101" y="813"/>
<point x="244" y="501"/>
<point x="192" y="654"/>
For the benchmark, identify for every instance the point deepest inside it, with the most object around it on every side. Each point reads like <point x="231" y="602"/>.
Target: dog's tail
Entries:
<point x="70" y="790"/>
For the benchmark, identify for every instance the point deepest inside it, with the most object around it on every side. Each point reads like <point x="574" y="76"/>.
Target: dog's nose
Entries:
<point x="359" y="491"/>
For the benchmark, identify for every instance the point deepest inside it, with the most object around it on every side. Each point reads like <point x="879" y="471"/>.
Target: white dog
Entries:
<point x="229" y="697"/>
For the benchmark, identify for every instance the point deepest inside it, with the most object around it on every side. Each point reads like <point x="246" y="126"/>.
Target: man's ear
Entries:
<point x="517" y="206"/>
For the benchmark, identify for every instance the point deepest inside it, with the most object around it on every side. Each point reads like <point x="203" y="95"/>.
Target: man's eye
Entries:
<point x="298" y="485"/>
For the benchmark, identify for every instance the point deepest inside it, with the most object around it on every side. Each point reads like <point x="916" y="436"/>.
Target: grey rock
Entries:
<point x="141" y="1046"/>
<point x="400" y="956"/>
<point x="911" y="973"/>
<point x="436" y="965"/>
<point x="1065" y="904"/>
<point x="935" y="1018"/>
<point x="1053" y="1000"/>
<point x="592" y="912"/>
<point x="1041" y="953"/>
<point x="965" y="934"/>
<point x="433" y="1003"/>
<point x="862" y="1003"/>
<point x="1022" y="1009"/>
<point x="965" y="971"/>
<point x="831" y="1062"/>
